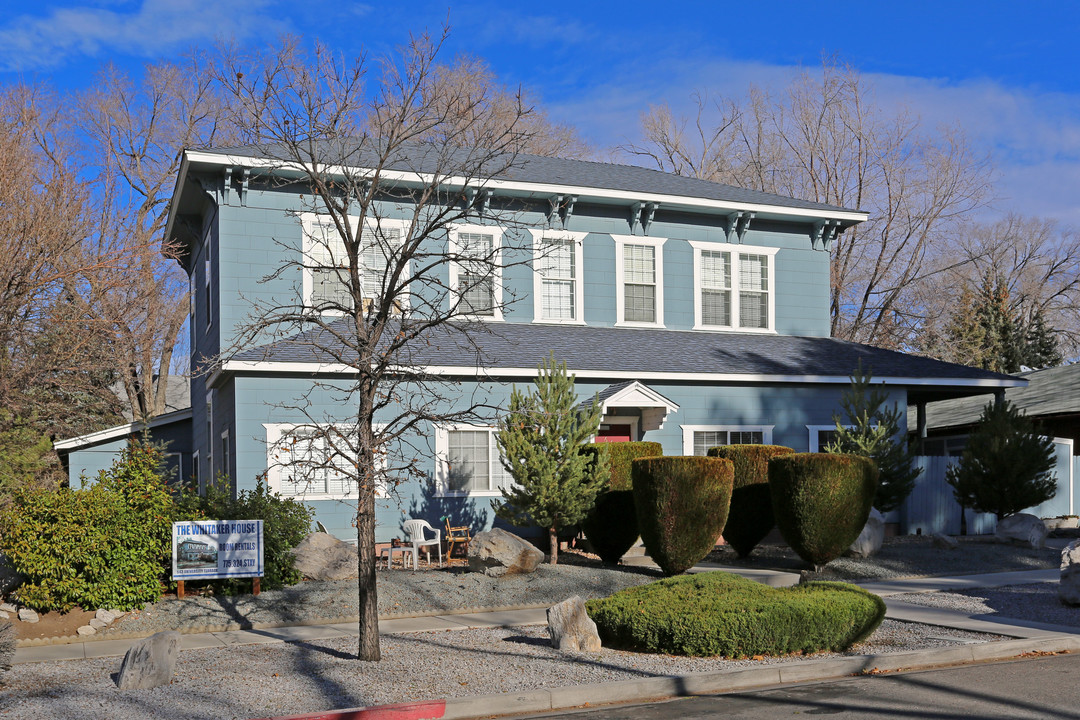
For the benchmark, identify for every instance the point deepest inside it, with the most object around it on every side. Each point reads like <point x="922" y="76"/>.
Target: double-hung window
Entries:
<point x="475" y="274"/>
<point x="697" y="439"/>
<point x="326" y="261"/>
<point x="468" y="461"/>
<point x="639" y="279"/>
<point x="315" y="461"/>
<point x="558" y="264"/>
<point x="734" y="287"/>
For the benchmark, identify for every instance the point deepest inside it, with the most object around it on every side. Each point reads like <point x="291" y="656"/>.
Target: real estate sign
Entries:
<point x="217" y="549"/>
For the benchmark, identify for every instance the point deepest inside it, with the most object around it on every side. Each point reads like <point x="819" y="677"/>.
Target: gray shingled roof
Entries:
<point x="523" y="345"/>
<point x="1050" y="392"/>
<point x="559" y="171"/>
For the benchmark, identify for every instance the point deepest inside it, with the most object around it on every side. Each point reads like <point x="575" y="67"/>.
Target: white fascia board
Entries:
<point x="642" y="389"/>
<point x="545" y="190"/>
<point x="113" y="433"/>
<point x="181" y="177"/>
<point x="492" y="373"/>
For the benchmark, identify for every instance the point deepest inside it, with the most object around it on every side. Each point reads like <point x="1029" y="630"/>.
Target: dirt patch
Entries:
<point x="53" y="624"/>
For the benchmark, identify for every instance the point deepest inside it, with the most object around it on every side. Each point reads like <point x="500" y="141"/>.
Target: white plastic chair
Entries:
<point x="415" y="530"/>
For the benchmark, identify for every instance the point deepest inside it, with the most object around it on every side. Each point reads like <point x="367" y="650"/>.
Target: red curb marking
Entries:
<point x="404" y="711"/>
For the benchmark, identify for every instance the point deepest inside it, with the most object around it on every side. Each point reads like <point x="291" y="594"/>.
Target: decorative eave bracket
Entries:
<point x="642" y="213"/>
<point x="825" y="231"/>
<point x="736" y="224"/>
<point x="555" y="201"/>
<point x="479" y="199"/>
<point x="239" y="175"/>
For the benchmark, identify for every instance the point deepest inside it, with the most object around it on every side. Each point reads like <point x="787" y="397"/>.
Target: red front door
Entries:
<point x="614" y="433"/>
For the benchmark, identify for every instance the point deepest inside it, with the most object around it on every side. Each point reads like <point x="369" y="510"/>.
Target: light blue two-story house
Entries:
<point x="698" y="312"/>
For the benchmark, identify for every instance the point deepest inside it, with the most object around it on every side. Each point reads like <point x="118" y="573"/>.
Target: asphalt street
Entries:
<point x="1036" y="687"/>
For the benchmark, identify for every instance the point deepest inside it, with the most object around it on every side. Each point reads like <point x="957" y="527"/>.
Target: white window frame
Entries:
<point x="454" y="247"/>
<point x="734" y="251"/>
<point x="308" y="222"/>
<point x="442" y="460"/>
<point x="621" y="241"/>
<point x="226" y="454"/>
<point x="196" y="472"/>
<point x="274" y="434"/>
<point x="813" y="431"/>
<point x="689" y="430"/>
<point x="578" y="239"/>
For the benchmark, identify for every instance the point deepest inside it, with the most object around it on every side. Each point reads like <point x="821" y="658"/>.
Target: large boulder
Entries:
<point x="1022" y="528"/>
<point x="496" y="553"/>
<point x="871" y="537"/>
<point x="941" y="541"/>
<point x="150" y="662"/>
<point x="571" y="628"/>
<point x="1069" y="587"/>
<point x="321" y="556"/>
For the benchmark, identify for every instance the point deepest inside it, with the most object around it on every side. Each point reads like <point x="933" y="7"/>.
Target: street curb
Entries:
<point x="231" y="627"/>
<point x="706" y="683"/>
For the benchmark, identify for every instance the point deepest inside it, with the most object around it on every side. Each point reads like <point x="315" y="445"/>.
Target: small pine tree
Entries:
<point x="1041" y="348"/>
<point x="539" y="439"/>
<point x="1006" y="466"/>
<point x="872" y="431"/>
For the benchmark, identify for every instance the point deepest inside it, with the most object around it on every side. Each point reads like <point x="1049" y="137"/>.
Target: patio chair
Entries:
<point x="459" y="536"/>
<point x="415" y="530"/>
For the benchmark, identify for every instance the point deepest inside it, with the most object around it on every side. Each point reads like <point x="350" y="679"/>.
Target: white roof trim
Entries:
<point x="541" y="189"/>
<point x="113" y="433"/>
<point x="511" y="372"/>
<point x="626" y="398"/>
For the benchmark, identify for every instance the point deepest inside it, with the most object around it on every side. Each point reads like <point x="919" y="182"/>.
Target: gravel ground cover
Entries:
<point x="902" y="556"/>
<point x="293" y="678"/>
<point x="1036" y="602"/>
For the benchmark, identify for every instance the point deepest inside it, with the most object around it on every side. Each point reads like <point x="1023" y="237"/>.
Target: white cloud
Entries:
<point x="1033" y="135"/>
<point x="29" y="42"/>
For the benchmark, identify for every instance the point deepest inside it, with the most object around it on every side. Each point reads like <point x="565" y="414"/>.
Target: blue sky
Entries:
<point x="1008" y="72"/>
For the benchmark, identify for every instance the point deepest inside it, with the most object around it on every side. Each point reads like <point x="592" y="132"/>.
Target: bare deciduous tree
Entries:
<point x="390" y="168"/>
<point x="827" y="141"/>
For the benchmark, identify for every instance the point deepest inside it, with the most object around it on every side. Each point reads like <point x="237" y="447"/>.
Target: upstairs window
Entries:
<point x="639" y="272"/>
<point x="476" y="275"/>
<point x="733" y="287"/>
<point x="558" y="264"/>
<point x="326" y="261"/>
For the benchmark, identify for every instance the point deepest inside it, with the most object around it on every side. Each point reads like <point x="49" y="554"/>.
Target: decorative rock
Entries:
<point x="571" y="628"/>
<point x="871" y="537"/>
<point x="944" y="542"/>
<point x="4" y="615"/>
<point x="1069" y="587"/>
<point x="321" y="556"/>
<point x="149" y="662"/>
<point x="7" y="607"/>
<point x="87" y="630"/>
<point x="1024" y="529"/>
<point x="105" y="617"/>
<point x="1062" y="522"/>
<point x="98" y="624"/>
<point x="28" y="615"/>
<point x="497" y="552"/>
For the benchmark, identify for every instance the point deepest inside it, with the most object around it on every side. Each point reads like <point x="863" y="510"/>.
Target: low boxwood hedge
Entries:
<point x="612" y="527"/>
<point x="718" y="613"/>
<point x="751" y="515"/>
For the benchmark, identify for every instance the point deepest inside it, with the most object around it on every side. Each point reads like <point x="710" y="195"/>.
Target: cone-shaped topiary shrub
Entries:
<point x="682" y="504"/>
<point x="612" y="527"/>
<point x="717" y="613"/>
<point x="821" y="501"/>
<point x="751" y="516"/>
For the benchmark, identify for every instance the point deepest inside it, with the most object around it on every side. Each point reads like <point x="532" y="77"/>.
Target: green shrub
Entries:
<point x="285" y="523"/>
<point x="105" y="547"/>
<point x="682" y="505"/>
<point x="717" y="613"/>
<point x="751" y="516"/>
<point x="612" y="525"/>
<point x="821" y="501"/>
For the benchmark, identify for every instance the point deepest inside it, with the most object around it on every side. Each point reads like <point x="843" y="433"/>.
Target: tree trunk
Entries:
<point x="369" y="598"/>
<point x="553" y="537"/>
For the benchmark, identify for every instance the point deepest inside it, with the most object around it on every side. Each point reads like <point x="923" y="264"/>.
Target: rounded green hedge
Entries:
<point x="611" y="527"/>
<point x="821" y="501"/>
<point x="717" y="613"/>
<point x="682" y="504"/>
<point x="751" y="516"/>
